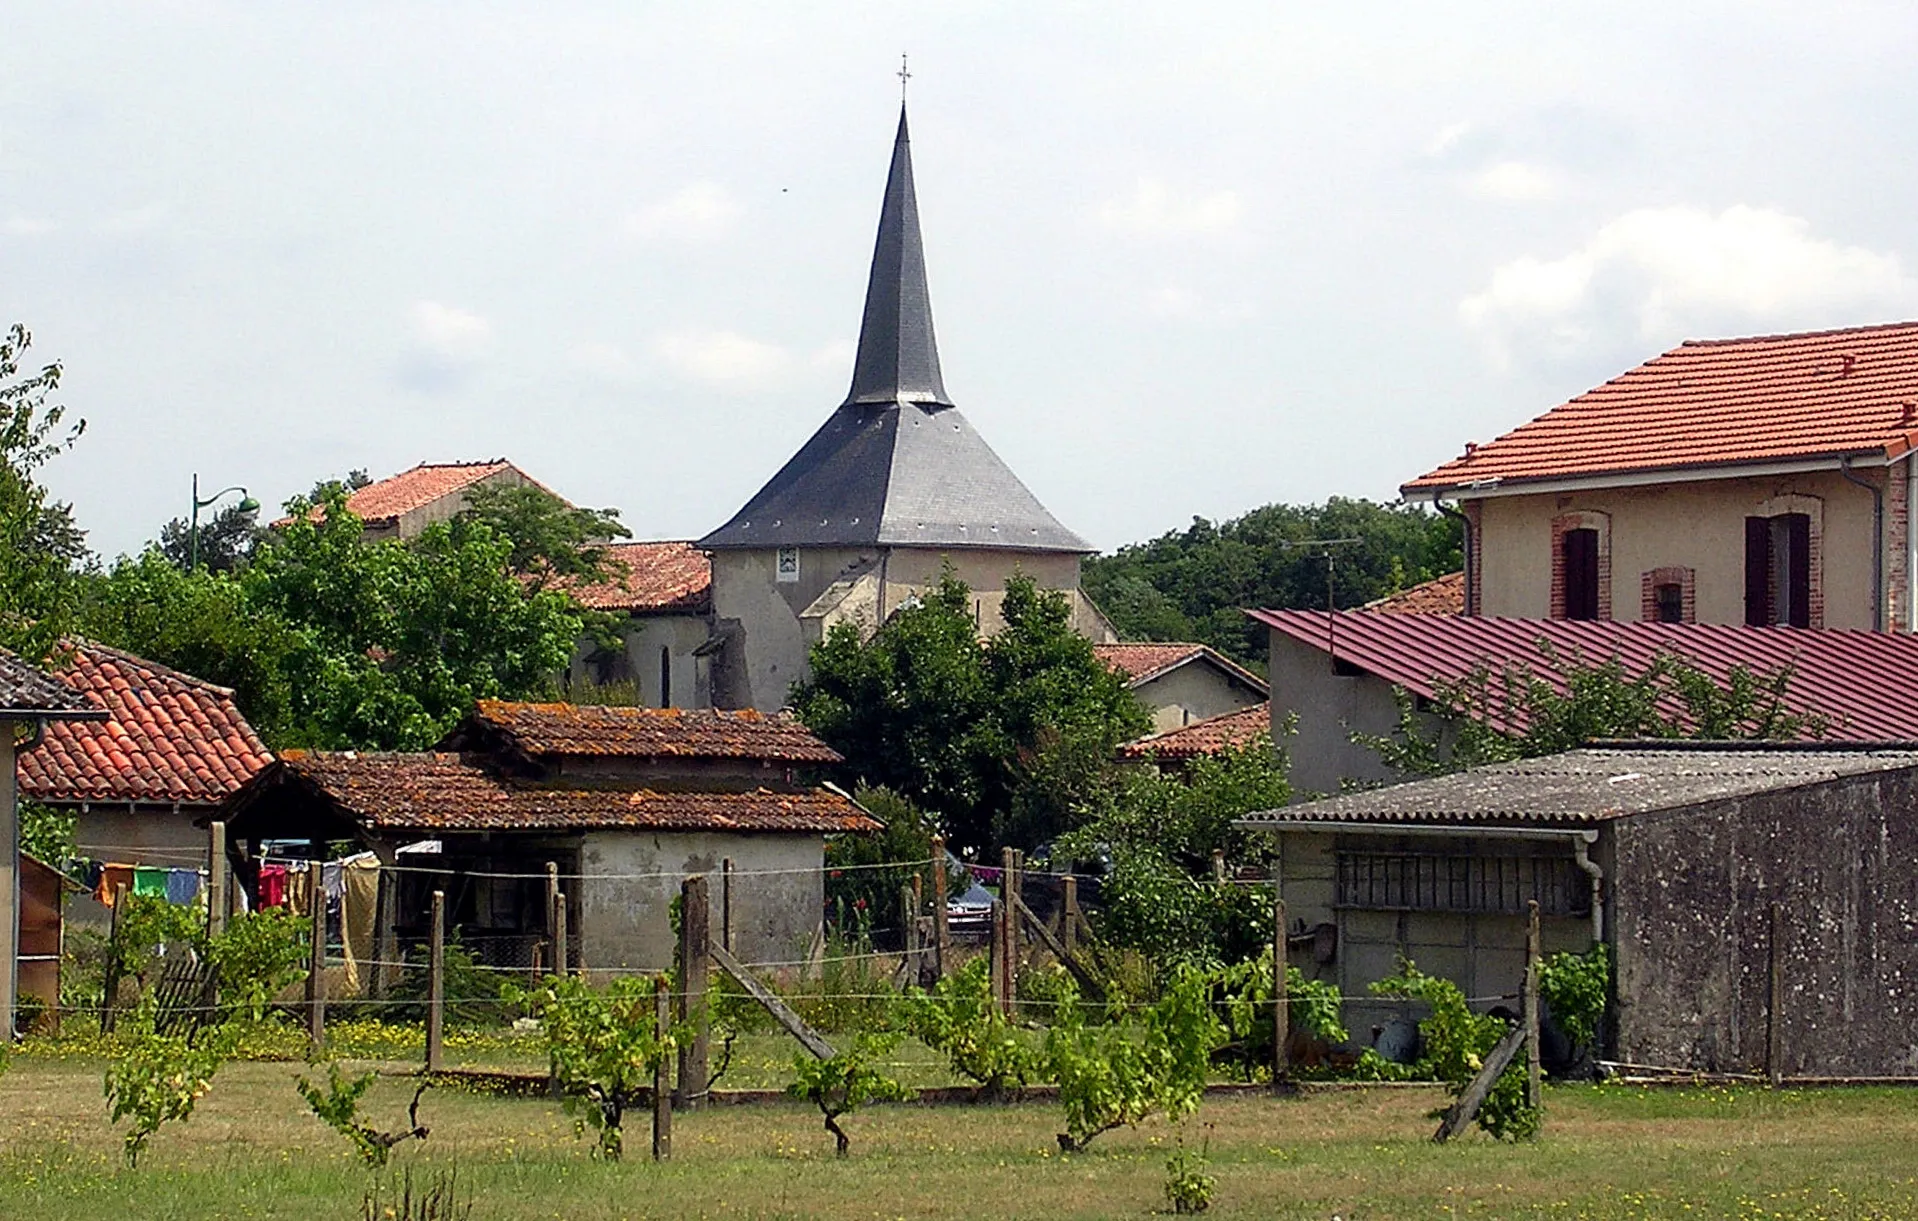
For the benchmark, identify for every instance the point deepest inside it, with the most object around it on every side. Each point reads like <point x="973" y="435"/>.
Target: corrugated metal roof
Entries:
<point x="1864" y="683"/>
<point x="1582" y="787"/>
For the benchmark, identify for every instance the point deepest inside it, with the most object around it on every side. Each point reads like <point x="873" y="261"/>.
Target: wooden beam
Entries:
<point x="795" y="1025"/>
<point x="1534" y="1093"/>
<point x="695" y="966"/>
<point x="1067" y="958"/>
<point x="436" y="987"/>
<point x="1466" y="1109"/>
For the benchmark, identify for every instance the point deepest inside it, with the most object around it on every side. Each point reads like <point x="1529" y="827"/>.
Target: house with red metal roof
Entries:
<point x="622" y="804"/>
<point x="1762" y="481"/>
<point x="166" y="749"/>
<point x="1336" y="674"/>
<point x="1182" y="683"/>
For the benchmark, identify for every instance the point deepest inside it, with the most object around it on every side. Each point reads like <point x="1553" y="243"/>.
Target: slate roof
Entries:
<point x="163" y="736"/>
<point x="27" y="691"/>
<point x="897" y="464"/>
<point x="657" y="579"/>
<point x="1583" y="787"/>
<point x="1226" y="731"/>
<point x="1861" y="681"/>
<point x="433" y="792"/>
<point x="1142" y="661"/>
<point x="1720" y="402"/>
<point x="1439" y="596"/>
<point x="650" y="733"/>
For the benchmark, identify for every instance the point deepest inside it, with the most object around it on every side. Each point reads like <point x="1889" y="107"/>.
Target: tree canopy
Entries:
<point x="1191" y="584"/>
<point x="39" y="542"/>
<point x="998" y="739"/>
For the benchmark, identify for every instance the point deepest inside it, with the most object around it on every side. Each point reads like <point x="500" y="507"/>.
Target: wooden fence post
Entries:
<point x="909" y="933"/>
<point x="1069" y="918"/>
<point x="436" y="987"/>
<point x="1534" y="1093"/>
<point x="996" y="952"/>
<point x="662" y="1074"/>
<point x="1218" y="865"/>
<point x="1009" y="887"/>
<point x="553" y="957"/>
<point x="941" y="936"/>
<point x="559" y="934"/>
<point x="695" y="969"/>
<point x="218" y="897"/>
<point x="1775" y="1014"/>
<point x="726" y="904"/>
<point x="1281" y="994"/>
<point x="316" y="965"/>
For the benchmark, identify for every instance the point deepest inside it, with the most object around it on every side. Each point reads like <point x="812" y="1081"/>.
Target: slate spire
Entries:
<point x="898" y="359"/>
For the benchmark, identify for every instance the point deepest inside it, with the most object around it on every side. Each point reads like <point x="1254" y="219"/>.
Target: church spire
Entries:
<point x="898" y="359"/>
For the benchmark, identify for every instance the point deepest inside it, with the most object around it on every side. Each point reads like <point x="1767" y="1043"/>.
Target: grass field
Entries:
<point x="252" y="1151"/>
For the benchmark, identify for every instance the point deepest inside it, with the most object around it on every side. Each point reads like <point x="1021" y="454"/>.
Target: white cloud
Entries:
<point x="605" y="360"/>
<point x="722" y="358"/>
<point x="1514" y="182"/>
<point x="1445" y="138"/>
<point x="697" y="210"/>
<point x="448" y="331"/>
<point x="133" y="221"/>
<point x="839" y="354"/>
<point x="1154" y="209"/>
<point x="26" y="226"/>
<point x="1658" y="274"/>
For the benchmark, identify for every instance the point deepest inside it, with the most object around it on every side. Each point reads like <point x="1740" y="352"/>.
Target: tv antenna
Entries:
<point x="1327" y="547"/>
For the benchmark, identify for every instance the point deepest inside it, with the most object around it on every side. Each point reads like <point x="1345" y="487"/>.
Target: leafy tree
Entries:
<point x="960" y="1019"/>
<point x="551" y="540"/>
<point x="1186" y="813"/>
<point x="842" y="1084"/>
<point x="857" y="873"/>
<point x="605" y="1046"/>
<point x="1494" y="716"/>
<point x="39" y="542"/>
<point x="1190" y="584"/>
<point x="227" y="539"/>
<point x="999" y="738"/>
<point x="258" y="954"/>
<point x="46" y="834"/>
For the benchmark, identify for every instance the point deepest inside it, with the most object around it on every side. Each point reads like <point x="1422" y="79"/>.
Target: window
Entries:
<point x="1406" y="881"/>
<point x="665" y="677"/>
<point x="787" y="564"/>
<point x="1778" y="570"/>
<point x="1579" y="552"/>
<point x="1668" y="602"/>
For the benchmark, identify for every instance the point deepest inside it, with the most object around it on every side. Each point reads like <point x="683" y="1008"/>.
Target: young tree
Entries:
<point x="1115" y="1073"/>
<point x="841" y="1085"/>
<point x="551" y="540"/>
<point x="605" y="1045"/>
<point x="39" y="542"/>
<point x="227" y="539"/>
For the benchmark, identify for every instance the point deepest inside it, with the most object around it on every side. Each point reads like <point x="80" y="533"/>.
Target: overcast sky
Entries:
<point x="1185" y="258"/>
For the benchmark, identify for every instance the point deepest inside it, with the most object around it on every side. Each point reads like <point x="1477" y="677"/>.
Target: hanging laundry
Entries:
<point x="299" y="888"/>
<point x="94" y="870"/>
<point x="272" y="885"/>
<point x="182" y="885"/>
<point x="149" y="881"/>
<point x="359" y="904"/>
<point x="112" y="878"/>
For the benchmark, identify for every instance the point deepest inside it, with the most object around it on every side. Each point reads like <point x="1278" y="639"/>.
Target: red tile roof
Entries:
<point x="1860" y="681"/>
<point x="167" y="737"/>
<point x="1208" y="737"/>
<point x="387" y="500"/>
<point x="1439" y="596"/>
<point x="31" y="692"/>
<point x="1721" y="402"/>
<point x="441" y="792"/>
<point x="1142" y="661"/>
<point x="651" y="733"/>
<point x="658" y="578"/>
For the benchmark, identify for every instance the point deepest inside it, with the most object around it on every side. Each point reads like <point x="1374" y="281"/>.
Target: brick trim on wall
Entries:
<point x="1897" y="553"/>
<point x="1648" y="583"/>
<point x="1588" y="519"/>
<point x="1474" y="511"/>
<point x="1812" y="507"/>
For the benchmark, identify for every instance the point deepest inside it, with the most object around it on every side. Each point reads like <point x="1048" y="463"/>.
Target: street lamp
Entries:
<point x="247" y="505"/>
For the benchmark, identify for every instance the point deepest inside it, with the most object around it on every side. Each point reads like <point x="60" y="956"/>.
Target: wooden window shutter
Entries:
<point x="1758" y="571"/>
<point x="1581" y="574"/>
<point x="1798" y="534"/>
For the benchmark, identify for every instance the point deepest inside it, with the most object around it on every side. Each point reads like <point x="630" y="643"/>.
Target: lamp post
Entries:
<point x="247" y="505"/>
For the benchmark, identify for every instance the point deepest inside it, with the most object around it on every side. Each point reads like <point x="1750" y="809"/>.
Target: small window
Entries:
<point x="1778" y="570"/>
<point x="788" y="564"/>
<point x="1580" y="556"/>
<point x="1668" y="602"/>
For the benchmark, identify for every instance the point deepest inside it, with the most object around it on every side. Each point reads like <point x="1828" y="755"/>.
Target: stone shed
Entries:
<point x="624" y="803"/>
<point x="1683" y="857"/>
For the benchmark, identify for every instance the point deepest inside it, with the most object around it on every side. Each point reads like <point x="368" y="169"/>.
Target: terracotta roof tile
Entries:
<point x="1208" y="737"/>
<point x="1719" y="402"/>
<point x="1439" y="596"/>
<point x="659" y="578"/>
<point x="421" y="486"/>
<point x="573" y="729"/>
<point x="441" y="792"/>
<point x="1860" y="681"/>
<point x="28" y="689"/>
<point x="167" y="737"/>
<point x="1142" y="661"/>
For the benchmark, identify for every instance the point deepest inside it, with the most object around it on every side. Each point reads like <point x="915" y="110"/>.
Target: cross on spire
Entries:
<point x="904" y="76"/>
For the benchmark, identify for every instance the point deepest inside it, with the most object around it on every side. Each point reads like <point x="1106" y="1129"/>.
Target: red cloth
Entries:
<point x="272" y="885"/>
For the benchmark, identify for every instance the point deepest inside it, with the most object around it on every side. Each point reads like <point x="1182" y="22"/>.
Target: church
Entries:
<point x="895" y="486"/>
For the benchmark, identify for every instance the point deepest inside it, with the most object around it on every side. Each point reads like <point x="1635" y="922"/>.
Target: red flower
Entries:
<point x="859" y="904"/>
<point x="835" y="874"/>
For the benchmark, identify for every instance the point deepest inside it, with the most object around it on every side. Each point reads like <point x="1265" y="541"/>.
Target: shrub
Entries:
<point x="841" y="1085"/>
<point x="157" y="1078"/>
<point x="1456" y="1042"/>
<point x="258" y="954"/>
<point x="1314" y="1008"/>
<point x="471" y="992"/>
<point x="1188" y="1188"/>
<point x="605" y="1046"/>
<point x="1577" y="988"/>
<point x="1117" y="1073"/>
<point x="958" y="1019"/>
